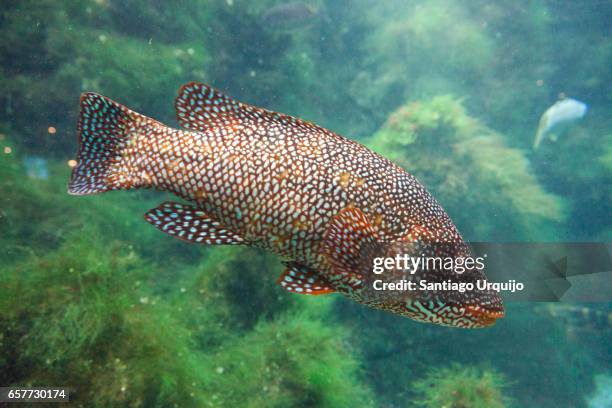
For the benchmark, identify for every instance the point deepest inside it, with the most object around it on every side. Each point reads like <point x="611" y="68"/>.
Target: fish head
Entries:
<point x="431" y="283"/>
<point x="403" y="276"/>
<point x="566" y="110"/>
<point x="582" y="109"/>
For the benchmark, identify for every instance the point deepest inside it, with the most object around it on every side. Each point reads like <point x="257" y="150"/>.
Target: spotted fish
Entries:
<point x="325" y="204"/>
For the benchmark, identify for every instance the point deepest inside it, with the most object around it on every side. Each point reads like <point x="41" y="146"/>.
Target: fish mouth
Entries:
<point x="484" y="317"/>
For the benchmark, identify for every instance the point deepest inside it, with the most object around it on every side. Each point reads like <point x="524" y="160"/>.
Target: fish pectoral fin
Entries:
<point x="298" y="278"/>
<point x="349" y="241"/>
<point x="190" y="224"/>
<point x="553" y="137"/>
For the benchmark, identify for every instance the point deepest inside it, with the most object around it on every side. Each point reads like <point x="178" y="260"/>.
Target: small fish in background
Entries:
<point x="289" y="15"/>
<point x="557" y="117"/>
<point x="36" y="167"/>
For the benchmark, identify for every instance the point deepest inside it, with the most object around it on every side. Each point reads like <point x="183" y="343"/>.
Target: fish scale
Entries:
<point x="261" y="178"/>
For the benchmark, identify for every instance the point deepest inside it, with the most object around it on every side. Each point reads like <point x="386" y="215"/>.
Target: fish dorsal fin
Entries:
<point x="298" y="278"/>
<point x="350" y="241"/>
<point x="190" y="224"/>
<point x="202" y="108"/>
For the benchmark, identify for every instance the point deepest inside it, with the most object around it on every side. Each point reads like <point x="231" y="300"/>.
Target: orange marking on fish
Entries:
<point x="343" y="179"/>
<point x="301" y="225"/>
<point x="283" y="175"/>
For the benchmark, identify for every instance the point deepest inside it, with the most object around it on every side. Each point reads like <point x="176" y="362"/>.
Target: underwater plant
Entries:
<point x="99" y="329"/>
<point x="60" y="49"/>
<point x="487" y="186"/>
<point x="88" y="324"/>
<point x="585" y="178"/>
<point x="461" y="387"/>
<point x="274" y="366"/>
<point x="121" y="325"/>
<point x="93" y="297"/>
<point x="417" y="50"/>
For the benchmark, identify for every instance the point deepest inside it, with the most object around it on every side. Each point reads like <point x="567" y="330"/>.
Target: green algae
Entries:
<point x="93" y="297"/>
<point x="86" y="325"/>
<point x="461" y="387"/>
<point x="478" y="178"/>
<point x="105" y="313"/>
<point x="83" y="50"/>
<point x="293" y="361"/>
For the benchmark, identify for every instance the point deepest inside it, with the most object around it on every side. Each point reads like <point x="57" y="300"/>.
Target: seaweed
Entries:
<point x="95" y="299"/>
<point x="77" y="49"/>
<point x="487" y="187"/>
<point x="461" y="387"/>
<point x="85" y="325"/>
<point x="295" y="360"/>
<point x="577" y="167"/>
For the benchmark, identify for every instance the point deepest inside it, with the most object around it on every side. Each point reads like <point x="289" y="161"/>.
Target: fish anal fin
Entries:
<point x="190" y="224"/>
<point x="301" y="279"/>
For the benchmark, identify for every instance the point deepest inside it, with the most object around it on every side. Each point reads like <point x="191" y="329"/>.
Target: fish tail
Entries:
<point x="538" y="138"/>
<point x="105" y="129"/>
<point x="542" y="129"/>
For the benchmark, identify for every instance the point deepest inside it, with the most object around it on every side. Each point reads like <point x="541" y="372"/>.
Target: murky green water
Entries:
<point x="95" y="299"/>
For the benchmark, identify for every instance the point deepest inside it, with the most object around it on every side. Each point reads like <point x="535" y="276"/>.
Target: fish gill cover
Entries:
<point x="95" y="299"/>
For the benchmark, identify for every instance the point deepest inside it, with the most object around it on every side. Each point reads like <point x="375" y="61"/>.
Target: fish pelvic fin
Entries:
<point x="105" y="129"/>
<point x="191" y="224"/>
<point x="298" y="278"/>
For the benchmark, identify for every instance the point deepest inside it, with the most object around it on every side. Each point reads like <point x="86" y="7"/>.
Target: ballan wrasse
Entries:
<point x="325" y="204"/>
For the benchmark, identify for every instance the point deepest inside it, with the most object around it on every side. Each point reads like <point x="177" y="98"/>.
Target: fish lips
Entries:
<point x="483" y="316"/>
<point x="472" y="307"/>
